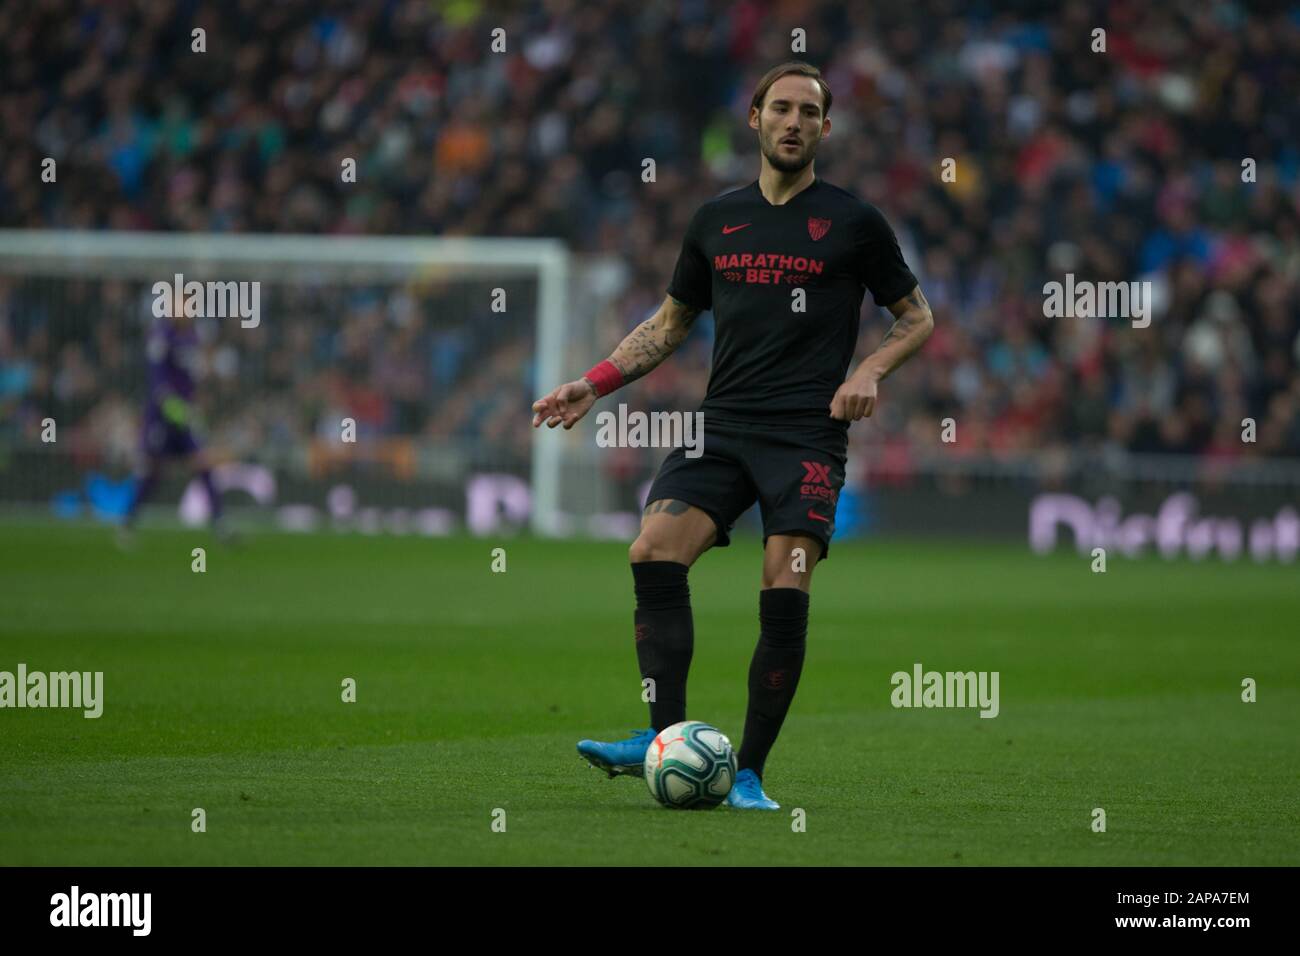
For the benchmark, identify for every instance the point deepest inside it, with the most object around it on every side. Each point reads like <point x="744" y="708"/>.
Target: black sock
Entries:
<point x="665" y="636"/>
<point x="773" y="672"/>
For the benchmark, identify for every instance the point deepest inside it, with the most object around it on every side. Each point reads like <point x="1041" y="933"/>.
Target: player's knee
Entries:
<point x="645" y="548"/>
<point x="786" y="578"/>
<point x="788" y="569"/>
<point x="653" y="548"/>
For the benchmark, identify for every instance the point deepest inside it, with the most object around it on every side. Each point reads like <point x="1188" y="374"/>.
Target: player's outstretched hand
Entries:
<point x="855" y="399"/>
<point x="566" y="404"/>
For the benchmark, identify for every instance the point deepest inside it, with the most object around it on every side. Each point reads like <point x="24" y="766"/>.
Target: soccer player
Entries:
<point x="776" y="414"/>
<point x="170" y="428"/>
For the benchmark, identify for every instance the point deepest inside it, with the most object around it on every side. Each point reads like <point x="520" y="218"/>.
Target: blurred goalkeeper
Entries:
<point x="171" y="427"/>
<point x="776" y="415"/>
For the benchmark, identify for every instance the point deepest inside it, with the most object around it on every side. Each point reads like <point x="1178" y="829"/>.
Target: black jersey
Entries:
<point x="743" y="258"/>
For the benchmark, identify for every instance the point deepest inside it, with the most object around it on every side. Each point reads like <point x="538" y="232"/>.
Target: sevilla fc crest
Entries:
<point x="818" y="227"/>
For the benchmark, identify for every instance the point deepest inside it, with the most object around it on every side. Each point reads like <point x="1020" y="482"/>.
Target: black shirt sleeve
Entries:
<point x="879" y="260"/>
<point x="692" y="279"/>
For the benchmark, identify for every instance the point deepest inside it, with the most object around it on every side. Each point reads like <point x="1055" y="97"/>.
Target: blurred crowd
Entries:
<point x="1127" y="164"/>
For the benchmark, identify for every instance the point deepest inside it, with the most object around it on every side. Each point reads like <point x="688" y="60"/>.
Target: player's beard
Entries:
<point x="787" y="164"/>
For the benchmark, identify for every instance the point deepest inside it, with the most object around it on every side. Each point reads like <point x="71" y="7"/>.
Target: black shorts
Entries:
<point x="794" y="472"/>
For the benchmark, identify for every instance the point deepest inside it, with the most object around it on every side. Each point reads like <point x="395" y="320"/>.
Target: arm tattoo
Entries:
<point x="914" y="315"/>
<point x="913" y="324"/>
<point x="651" y="342"/>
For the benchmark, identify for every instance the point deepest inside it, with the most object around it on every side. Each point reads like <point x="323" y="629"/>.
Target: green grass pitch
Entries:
<point x="223" y="691"/>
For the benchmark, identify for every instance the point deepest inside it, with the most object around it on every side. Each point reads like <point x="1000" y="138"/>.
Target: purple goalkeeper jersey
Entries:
<point x="173" y="352"/>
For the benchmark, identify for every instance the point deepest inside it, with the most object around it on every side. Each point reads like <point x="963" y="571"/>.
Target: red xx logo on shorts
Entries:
<point x="815" y="473"/>
<point x="816" y="484"/>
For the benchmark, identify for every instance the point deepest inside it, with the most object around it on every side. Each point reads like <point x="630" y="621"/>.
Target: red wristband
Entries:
<point x="606" y="377"/>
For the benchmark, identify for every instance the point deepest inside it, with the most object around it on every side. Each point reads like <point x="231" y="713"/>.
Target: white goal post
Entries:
<point x="154" y="256"/>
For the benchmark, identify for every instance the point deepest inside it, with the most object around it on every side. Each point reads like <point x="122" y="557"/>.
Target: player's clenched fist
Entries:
<point x="855" y="399"/>
<point x="566" y="404"/>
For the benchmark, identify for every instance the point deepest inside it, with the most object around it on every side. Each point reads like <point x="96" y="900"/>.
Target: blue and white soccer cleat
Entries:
<point x="747" y="793"/>
<point x="624" y="756"/>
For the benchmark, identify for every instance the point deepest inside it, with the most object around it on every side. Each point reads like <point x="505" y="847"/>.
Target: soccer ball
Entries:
<point x="690" y="766"/>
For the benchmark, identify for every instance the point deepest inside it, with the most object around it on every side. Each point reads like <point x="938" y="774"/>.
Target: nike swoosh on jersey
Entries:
<point x="728" y="230"/>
